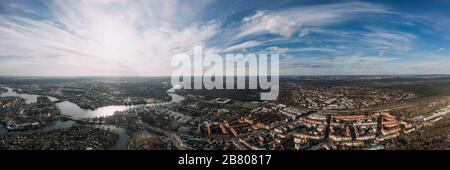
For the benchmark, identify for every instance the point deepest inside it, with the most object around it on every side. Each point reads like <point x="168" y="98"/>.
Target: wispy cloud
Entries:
<point x="121" y="37"/>
<point x="244" y="45"/>
<point x="103" y="37"/>
<point x="286" y="22"/>
<point x="382" y="39"/>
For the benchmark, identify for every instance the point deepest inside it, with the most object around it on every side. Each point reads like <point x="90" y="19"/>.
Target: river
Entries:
<point x="75" y="112"/>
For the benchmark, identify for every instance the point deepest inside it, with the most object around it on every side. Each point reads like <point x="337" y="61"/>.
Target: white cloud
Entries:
<point x="244" y="45"/>
<point x="103" y="38"/>
<point x="22" y="8"/>
<point x="276" y="50"/>
<point x="121" y="37"/>
<point x="303" y="32"/>
<point x="262" y="22"/>
<point x="340" y="65"/>
<point x="288" y="21"/>
<point x="315" y="49"/>
<point x="394" y="40"/>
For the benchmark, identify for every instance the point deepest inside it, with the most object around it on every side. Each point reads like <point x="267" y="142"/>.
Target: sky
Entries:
<point x="139" y="37"/>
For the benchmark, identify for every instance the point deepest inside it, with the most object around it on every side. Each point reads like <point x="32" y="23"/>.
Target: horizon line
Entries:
<point x="287" y="75"/>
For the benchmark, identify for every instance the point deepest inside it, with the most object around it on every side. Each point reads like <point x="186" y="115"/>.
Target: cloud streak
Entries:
<point x="128" y="38"/>
<point x="93" y="38"/>
<point x="286" y="22"/>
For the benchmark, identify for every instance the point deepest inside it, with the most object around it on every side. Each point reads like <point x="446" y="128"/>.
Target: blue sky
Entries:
<point x="313" y="37"/>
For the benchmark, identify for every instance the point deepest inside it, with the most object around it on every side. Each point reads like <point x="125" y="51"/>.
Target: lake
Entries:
<point x="74" y="111"/>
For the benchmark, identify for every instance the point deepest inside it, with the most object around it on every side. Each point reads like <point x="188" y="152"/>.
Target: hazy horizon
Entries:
<point x="168" y="76"/>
